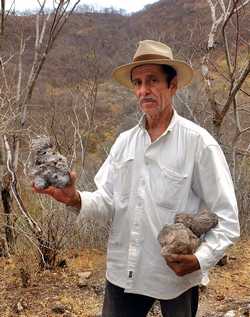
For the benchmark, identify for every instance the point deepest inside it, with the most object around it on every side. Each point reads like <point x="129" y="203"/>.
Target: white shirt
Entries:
<point x="142" y="185"/>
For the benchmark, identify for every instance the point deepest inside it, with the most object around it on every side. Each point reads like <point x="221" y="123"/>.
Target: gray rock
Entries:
<point x="83" y="279"/>
<point x="199" y="223"/>
<point x="183" y="236"/>
<point x="47" y="167"/>
<point x="203" y="221"/>
<point x="82" y="283"/>
<point x="230" y="313"/>
<point x="19" y="307"/>
<point x="85" y="275"/>
<point x="177" y="239"/>
<point x="40" y="182"/>
<point x="184" y="218"/>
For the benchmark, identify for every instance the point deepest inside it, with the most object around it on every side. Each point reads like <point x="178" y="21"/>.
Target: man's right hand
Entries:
<point x="67" y="195"/>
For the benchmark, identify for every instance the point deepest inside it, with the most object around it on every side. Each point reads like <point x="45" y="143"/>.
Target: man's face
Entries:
<point x="151" y="89"/>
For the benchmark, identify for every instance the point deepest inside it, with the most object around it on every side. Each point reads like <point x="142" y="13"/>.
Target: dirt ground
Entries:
<point x="58" y="293"/>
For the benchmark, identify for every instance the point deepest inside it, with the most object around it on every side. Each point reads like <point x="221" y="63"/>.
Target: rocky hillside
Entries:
<point x="76" y="288"/>
<point x="101" y="41"/>
<point x="184" y="24"/>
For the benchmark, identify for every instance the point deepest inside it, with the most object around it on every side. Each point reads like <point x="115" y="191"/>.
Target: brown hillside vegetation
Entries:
<point x="228" y="290"/>
<point x="182" y="24"/>
<point x="112" y="38"/>
<point x="77" y="104"/>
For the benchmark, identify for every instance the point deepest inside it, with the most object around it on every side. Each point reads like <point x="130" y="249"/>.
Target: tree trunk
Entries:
<point x="7" y="209"/>
<point x="2" y="16"/>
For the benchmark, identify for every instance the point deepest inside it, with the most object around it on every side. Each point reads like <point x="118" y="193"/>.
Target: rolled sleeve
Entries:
<point x="98" y="205"/>
<point x="213" y="184"/>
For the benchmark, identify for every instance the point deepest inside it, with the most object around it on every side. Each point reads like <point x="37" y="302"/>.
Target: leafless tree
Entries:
<point x="47" y="28"/>
<point x="4" y="14"/>
<point x="231" y="105"/>
<point x="237" y="70"/>
<point x="219" y="96"/>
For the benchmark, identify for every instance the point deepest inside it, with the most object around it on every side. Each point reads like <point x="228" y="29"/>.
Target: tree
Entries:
<point x="225" y="72"/>
<point x="47" y="29"/>
<point x="4" y="14"/>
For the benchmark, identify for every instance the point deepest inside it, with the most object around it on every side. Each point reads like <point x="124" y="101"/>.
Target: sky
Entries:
<point x="128" y="5"/>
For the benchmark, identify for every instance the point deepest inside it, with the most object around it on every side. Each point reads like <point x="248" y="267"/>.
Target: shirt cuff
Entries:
<point x="206" y="257"/>
<point x="86" y="204"/>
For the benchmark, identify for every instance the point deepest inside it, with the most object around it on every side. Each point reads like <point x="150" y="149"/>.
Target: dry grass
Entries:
<point x="229" y="284"/>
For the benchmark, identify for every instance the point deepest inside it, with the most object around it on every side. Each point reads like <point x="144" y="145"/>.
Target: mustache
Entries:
<point x="147" y="99"/>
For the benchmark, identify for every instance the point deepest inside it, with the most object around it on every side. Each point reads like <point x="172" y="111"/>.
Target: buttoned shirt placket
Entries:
<point x="136" y="237"/>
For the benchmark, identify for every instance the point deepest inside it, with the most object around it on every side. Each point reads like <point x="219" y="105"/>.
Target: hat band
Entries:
<point x="146" y="57"/>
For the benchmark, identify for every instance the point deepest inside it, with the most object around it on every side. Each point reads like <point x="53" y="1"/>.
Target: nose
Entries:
<point x="144" y="89"/>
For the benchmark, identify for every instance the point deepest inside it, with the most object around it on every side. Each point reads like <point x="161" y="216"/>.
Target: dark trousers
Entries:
<point x="120" y="304"/>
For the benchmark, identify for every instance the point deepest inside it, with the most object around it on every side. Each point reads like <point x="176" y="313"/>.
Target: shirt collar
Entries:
<point x="174" y="119"/>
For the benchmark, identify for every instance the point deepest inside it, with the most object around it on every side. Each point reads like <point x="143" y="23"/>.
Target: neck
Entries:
<point x="156" y="125"/>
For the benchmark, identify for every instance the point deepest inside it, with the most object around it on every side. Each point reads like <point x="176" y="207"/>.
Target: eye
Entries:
<point x="154" y="80"/>
<point x="135" y="83"/>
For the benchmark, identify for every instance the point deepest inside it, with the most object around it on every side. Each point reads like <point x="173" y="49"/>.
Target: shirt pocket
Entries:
<point x="122" y="188"/>
<point x="168" y="188"/>
<point x="123" y="177"/>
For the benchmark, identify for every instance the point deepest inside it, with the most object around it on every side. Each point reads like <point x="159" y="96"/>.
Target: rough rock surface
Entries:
<point x="203" y="222"/>
<point x="177" y="239"/>
<point x="182" y="237"/>
<point x="47" y="166"/>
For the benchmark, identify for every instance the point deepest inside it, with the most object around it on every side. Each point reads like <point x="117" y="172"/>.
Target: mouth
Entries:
<point x="148" y="100"/>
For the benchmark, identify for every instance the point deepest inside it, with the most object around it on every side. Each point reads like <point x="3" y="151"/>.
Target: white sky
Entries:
<point x="128" y="5"/>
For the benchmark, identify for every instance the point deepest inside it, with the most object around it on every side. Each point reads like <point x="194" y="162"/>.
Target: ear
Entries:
<point x="173" y="86"/>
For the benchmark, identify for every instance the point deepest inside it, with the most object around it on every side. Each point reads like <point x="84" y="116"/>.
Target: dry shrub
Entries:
<point x="27" y="265"/>
<point x="91" y="234"/>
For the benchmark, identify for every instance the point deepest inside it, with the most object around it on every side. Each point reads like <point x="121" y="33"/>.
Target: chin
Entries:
<point x="150" y="109"/>
<point x="152" y="113"/>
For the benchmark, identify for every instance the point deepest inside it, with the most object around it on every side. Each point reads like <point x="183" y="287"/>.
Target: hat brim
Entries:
<point x="122" y="74"/>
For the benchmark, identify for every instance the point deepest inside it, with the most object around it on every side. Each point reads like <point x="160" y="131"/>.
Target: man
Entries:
<point x="164" y="165"/>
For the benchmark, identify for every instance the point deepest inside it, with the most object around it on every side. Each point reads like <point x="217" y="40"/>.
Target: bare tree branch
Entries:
<point x="236" y="87"/>
<point x="33" y="225"/>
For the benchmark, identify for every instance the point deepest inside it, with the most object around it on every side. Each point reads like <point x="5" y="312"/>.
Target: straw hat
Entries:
<point x="152" y="52"/>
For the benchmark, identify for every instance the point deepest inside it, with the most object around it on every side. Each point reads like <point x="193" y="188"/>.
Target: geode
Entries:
<point x="177" y="239"/>
<point x="183" y="237"/>
<point x="47" y="167"/>
<point x="203" y="222"/>
<point x="199" y="223"/>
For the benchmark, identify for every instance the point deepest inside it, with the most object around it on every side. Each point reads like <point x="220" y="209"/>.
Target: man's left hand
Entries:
<point x="182" y="264"/>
